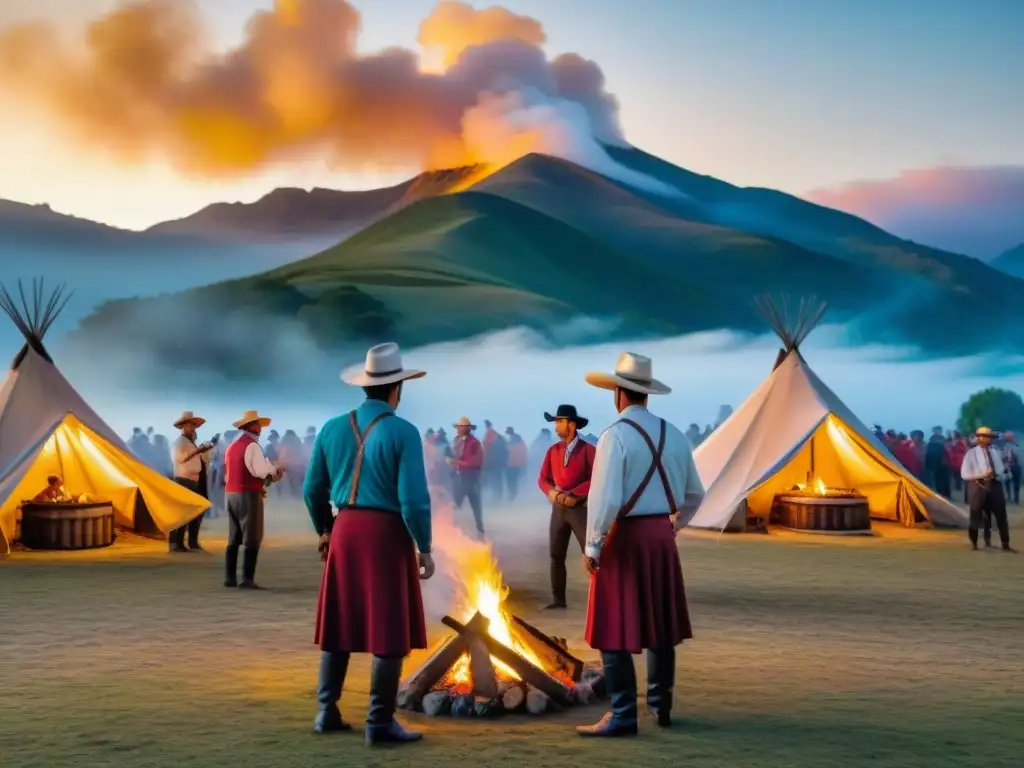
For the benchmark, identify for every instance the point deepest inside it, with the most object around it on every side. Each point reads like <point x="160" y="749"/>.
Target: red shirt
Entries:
<point x="471" y="456"/>
<point x="574" y="478"/>
<point x="907" y="456"/>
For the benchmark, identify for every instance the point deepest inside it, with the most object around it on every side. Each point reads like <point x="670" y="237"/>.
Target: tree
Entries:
<point x="1000" y="409"/>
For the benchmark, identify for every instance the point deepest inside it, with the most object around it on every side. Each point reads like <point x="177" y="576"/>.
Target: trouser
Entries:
<point x="467" y="487"/>
<point x="986" y="502"/>
<point x="245" y="528"/>
<point x="385" y="676"/>
<point x="512" y="479"/>
<point x="494" y="480"/>
<point x="620" y="681"/>
<point x="1013" y="485"/>
<point x="176" y="538"/>
<point x="940" y="480"/>
<point x="566" y="522"/>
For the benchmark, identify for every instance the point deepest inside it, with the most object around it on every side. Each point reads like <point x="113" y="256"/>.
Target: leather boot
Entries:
<point x="333" y="668"/>
<point x="249" y="558"/>
<point x="193" y="534"/>
<point x="176" y="540"/>
<point x="620" y="679"/>
<point x="231" y="566"/>
<point x="381" y="726"/>
<point x="661" y="673"/>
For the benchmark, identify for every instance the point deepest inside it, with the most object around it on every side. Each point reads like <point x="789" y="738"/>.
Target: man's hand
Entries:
<point x="324" y="545"/>
<point x="279" y="473"/>
<point x="590" y="565"/>
<point x="426" y="566"/>
<point x="553" y="495"/>
<point x="568" y="500"/>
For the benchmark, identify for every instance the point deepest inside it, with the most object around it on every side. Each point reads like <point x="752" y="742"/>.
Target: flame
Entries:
<point x="820" y="487"/>
<point x="817" y="487"/>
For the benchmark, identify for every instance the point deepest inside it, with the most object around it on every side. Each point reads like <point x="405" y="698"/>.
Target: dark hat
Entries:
<point x="568" y="412"/>
<point x="509" y="431"/>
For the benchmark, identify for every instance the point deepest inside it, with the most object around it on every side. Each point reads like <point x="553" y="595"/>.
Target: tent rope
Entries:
<point x="33" y="319"/>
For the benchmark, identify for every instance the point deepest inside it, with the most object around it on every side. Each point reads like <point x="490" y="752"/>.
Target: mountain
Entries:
<point x="1011" y="262"/>
<point x="543" y="241"/>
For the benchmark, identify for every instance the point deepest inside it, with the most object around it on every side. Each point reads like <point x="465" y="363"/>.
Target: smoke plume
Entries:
<point x="144" y="81"/>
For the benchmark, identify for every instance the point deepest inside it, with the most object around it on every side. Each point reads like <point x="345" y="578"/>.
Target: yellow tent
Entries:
<point x="46" y="427"/>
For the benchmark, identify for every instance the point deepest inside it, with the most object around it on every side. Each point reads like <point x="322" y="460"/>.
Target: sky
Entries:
<point x="784" y="94"/>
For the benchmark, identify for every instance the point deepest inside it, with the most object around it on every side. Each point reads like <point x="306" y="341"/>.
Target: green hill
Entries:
<point x="543" y="241"/>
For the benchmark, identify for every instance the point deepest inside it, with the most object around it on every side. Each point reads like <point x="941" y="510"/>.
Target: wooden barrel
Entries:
<point x="67" y="526"/>
<point x="822" y="514"/>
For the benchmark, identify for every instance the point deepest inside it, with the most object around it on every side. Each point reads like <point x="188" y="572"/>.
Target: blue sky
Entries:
<point x="779" y="93"/>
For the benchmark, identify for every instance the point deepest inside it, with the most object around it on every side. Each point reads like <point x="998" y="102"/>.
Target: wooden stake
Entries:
<point x="548" y="649"/>
<point x="419" y="683"/>
<point x="481" y="670"/>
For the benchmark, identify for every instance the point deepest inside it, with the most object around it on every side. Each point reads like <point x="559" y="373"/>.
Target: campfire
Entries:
<point x="818" y="489"/>
<point x="494" y="662"/>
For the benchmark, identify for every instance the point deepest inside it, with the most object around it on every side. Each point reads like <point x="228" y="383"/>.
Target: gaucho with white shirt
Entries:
<point x="644" y="486"/>
<point x="984" y="473"/>
<point x="246" y="470"/>
<point x="191" y="461"/>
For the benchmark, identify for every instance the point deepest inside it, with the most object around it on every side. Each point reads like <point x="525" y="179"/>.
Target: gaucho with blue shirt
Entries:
<point x="369" y="465"/>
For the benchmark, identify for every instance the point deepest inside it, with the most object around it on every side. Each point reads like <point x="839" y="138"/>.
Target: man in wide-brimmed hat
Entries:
<point x="246" y="473"/>
<point x="984" y="473"/>
<point x="644" y="486"/>
<point x="369" y="465"/>
<point x="191" y="462"/>
<point x="565" y="479"/>
<point x="467" y="461"/>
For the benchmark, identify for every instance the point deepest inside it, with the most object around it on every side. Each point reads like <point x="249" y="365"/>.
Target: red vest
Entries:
<point x="237" y="477"/>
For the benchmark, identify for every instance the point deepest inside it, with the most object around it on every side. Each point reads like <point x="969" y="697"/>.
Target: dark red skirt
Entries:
<point x="370" y="600"/>
<point x="637" y="596"/>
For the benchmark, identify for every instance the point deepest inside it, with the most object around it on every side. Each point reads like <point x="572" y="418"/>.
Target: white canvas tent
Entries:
<point x="46" y="427"/>
<point x="792" y="427"/>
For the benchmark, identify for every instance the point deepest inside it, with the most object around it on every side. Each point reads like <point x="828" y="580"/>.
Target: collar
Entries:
<point x="632" y="410"/>
<point x="376" y="406"/>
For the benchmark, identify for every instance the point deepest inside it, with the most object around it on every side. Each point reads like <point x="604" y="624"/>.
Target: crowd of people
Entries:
<point x="937" y="462"/>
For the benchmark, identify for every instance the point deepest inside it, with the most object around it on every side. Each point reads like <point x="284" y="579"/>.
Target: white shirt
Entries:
<point x="256" y="461"/>
<point x="975" y="467"/>
<point x="623" y="459"/>
<point x="569" y="449"/>
<point x="188" y="463"/>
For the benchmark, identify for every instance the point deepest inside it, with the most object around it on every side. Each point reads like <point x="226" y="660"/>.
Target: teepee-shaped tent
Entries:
<point x="794" y="427"/>
<point x="47" y="428"/>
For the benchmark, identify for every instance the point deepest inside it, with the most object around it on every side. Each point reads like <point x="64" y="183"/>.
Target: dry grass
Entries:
<point x="905" y="651"/>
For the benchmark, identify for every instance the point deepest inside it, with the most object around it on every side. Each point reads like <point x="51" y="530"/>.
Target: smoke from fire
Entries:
<point x="145" y="82"/>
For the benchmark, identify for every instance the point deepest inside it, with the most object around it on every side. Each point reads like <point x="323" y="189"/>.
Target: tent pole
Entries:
<point x="810" y="472"/>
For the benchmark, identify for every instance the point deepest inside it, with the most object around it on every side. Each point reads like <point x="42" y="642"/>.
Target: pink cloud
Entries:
<point x="977" y="210"/>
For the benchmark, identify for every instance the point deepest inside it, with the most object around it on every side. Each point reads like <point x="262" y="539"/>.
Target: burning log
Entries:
<point x="527" y="672"/>
<point x="481" y="670"/>
<point x="553" y="651"/>
<point x="449" y="650"/>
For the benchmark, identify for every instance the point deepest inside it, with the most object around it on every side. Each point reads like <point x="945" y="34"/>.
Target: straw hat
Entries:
<point x="464" y="422"/>
<point x="251" y="417"/>
<point x="633" y="372"/>
<point x="187" y="417"/>
<point x="383" y="366"/>
<point x="986" y="432"/>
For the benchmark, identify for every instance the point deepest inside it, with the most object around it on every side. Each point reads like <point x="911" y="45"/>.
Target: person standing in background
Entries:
<point x="565" y="479"/>
<point x="517" y="455"/>
<point x="955" y="452"/>
<point x="467" y="461"/>
<point x="1012" y="457"/>
<point x="495" y="461"/>
<point x="935" y="463"/>
<point x="984" y="474"/>
<point x="190" y="462"/>
<point x="245" y="483"/>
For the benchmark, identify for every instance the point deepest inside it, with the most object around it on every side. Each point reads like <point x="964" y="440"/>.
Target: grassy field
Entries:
<point x="904" y="650"/>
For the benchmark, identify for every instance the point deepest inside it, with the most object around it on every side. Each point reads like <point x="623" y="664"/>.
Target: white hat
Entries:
<point x="986" y="432"/>
<point x="188" y="416"/>
<point x="464" y="422"/>
<point x="250" y="417"/>
<point x="383" y="366"/>
<point x="632" y="372"/>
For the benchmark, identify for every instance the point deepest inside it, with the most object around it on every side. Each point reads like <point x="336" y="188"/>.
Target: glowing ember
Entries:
<point x="817" y="487"/>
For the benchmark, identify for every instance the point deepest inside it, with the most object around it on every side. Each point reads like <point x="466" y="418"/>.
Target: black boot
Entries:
<point x="176" y="540"/>
<point x="620" y="679"/>
<point x="249" y="569"/>
<point x="193" y="535"/>
<point x="381" y="726"/>
<point x="333" y="668"/>
<point x="558" y="579"/>
<point x="231" y="566"/>
<point x="661" y="673"/>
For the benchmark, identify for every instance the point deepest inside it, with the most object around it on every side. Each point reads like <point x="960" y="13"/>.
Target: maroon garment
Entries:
<point x="637" y="597"/>
<point x="574" y="478"/>
<point x="237" y="477"/>
<point x="370" y="600"/>
<point x="468" y="454"/>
